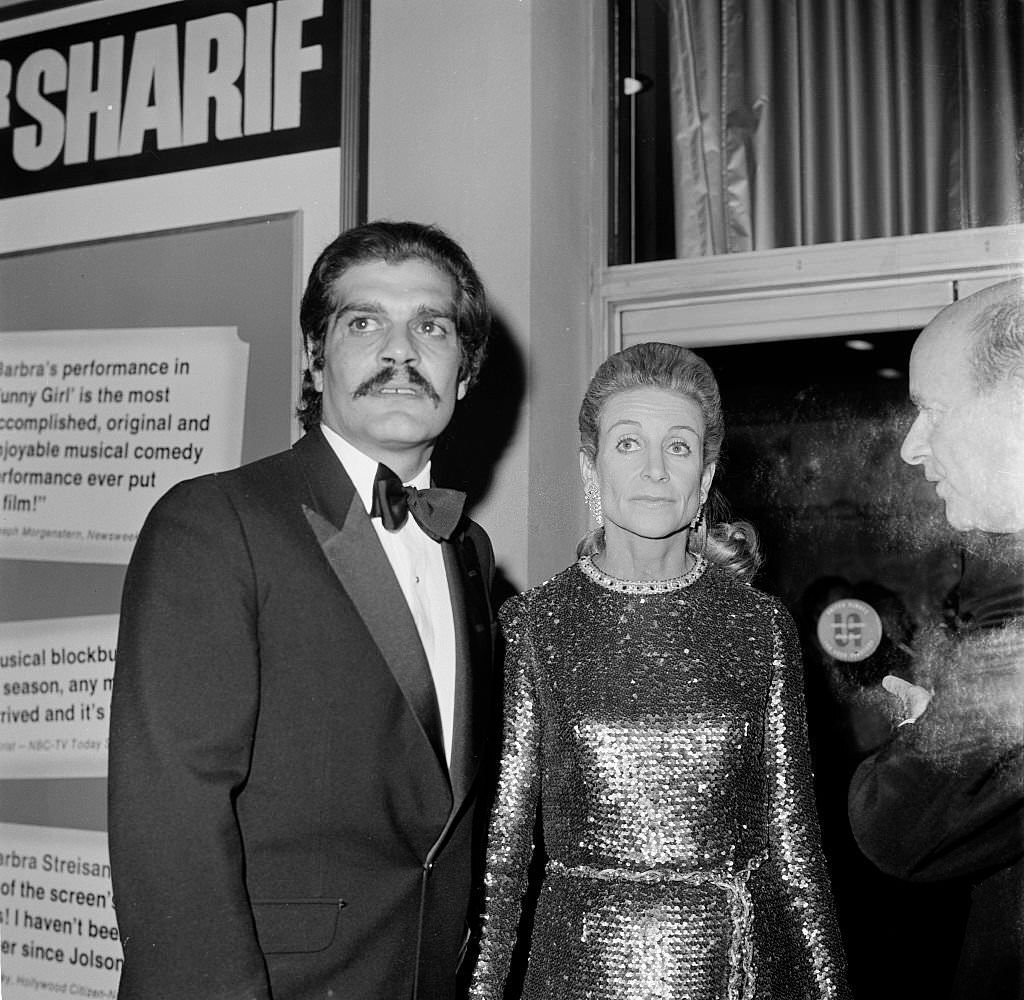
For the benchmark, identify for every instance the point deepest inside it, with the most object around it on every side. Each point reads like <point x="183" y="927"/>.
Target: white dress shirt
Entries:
<point x="418" y="564"/>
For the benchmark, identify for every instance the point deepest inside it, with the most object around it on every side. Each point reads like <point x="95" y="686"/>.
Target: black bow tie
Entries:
<point x="436" y="511"/>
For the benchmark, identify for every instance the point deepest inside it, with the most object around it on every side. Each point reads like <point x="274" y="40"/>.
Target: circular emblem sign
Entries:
<point x="849" y="630"/>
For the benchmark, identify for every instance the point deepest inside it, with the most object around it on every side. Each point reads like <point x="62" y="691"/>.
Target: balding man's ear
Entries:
<point x="1015" y="380"/>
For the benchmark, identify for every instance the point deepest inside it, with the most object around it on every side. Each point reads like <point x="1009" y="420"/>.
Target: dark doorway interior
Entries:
<point x="813" y="430"/>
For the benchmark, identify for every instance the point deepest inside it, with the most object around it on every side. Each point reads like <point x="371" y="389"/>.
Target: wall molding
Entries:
<point x="896" y="283"/>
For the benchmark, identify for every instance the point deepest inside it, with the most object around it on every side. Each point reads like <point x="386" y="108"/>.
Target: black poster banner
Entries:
<point x="195" y="83"/>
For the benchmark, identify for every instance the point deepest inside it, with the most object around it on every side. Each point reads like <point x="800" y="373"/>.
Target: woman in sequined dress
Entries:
<point x="654" y="719"/>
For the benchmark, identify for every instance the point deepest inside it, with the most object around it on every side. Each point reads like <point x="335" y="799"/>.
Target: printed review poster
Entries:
<point x="58" y="933"/>
<point x="56" y="675"/>
<point x="95" y="425"/>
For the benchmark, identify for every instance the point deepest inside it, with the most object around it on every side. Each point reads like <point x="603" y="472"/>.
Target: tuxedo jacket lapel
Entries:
<point x="473" y="650"/>
<point x="346" y="536"/>
<point x="461" y="769"/>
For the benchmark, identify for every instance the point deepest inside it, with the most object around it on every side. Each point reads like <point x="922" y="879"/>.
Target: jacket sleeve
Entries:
<point x="806" y="954"/>
<point x="182" y="720"/>
<point x="510" y="834"/>
<point x="944" y="798"/>
<point x="924" y="822"/>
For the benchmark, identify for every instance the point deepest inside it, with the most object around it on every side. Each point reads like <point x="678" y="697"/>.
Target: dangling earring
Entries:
<point x="593" y="497"/>
<point x="695" y="523"/>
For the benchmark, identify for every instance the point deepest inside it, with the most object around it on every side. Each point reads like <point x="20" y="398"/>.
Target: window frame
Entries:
<point x="893" y="283"/>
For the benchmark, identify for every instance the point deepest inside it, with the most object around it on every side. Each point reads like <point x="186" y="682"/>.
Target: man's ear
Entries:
<point x="1015" y="382"/>
<point x="316" y="374"/>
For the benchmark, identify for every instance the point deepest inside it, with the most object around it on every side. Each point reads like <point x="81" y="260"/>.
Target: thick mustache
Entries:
<point x="385" y="375"/>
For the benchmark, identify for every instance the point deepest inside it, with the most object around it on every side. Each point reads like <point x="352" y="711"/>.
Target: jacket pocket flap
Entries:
<point x="296" y="925"/>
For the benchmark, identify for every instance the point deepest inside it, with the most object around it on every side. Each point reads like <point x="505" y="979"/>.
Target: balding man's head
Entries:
<point x="967" y="380"/>
<point x="994" y="322"/>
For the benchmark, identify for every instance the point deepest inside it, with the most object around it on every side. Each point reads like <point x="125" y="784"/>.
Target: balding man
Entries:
<point x="944" y="798"/>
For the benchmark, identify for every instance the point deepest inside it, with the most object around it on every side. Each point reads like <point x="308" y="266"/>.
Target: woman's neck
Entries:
<point x="633" y="558"/>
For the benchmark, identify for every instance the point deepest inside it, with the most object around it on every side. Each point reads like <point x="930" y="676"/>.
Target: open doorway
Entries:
<point x="813" y="432"/>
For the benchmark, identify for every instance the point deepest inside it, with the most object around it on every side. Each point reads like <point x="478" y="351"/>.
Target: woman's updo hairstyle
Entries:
<point x="733" y="545"/>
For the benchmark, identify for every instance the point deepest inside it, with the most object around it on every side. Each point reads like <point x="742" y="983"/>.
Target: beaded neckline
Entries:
<point x="602" y="579"/>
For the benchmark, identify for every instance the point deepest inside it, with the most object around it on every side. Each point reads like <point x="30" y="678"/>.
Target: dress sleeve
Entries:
<point x="805" y="949"/>
<point x="510" y="833"/>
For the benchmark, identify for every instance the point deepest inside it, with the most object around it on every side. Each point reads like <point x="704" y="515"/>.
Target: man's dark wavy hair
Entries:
<point x="391" y="242"/>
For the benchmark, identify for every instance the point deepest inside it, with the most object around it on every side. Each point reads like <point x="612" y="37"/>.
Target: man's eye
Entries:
<point x="362" y="324"/>
<point x="432" y="328"/>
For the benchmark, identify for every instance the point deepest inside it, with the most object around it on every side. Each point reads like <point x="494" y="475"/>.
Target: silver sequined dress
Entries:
<point x="662" y="737"/>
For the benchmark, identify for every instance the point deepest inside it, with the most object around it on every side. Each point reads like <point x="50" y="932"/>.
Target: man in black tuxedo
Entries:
<point x="943" y="799"/>
<point x="303" y="672"/>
